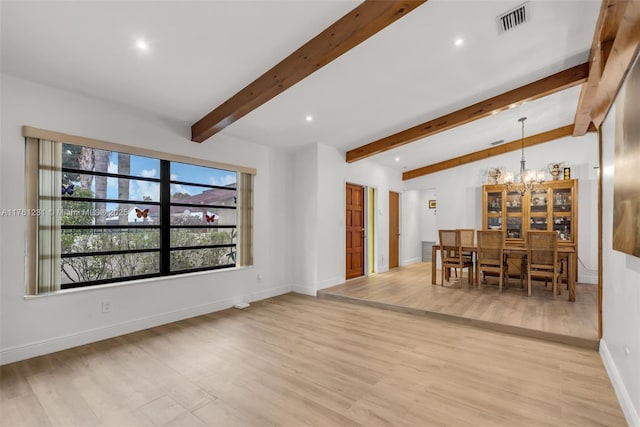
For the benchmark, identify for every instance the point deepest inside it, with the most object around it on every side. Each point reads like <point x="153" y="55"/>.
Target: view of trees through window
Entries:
<point x="126" y="216"/>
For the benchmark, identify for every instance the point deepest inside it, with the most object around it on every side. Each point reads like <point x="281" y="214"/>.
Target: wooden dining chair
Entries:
<point x="467" y="238"/>
<point x="490" y="258"/>
<point x="542" y="258"/>
<point x="451" y="255"/>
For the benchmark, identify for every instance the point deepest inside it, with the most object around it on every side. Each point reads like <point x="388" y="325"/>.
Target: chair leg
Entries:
<point x="500" y="280"/>
<point x="529" y="282"/>
<point x="473" y="275"/>
<point x="505" y="274"/>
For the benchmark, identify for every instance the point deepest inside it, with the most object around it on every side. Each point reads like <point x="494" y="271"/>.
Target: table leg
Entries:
<point x="433" y="265"/>
<point x="572" y="277"/>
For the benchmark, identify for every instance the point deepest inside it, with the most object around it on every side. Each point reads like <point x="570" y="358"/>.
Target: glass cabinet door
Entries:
<point x="538" y="211"/>
<point x="514" y="215"/>
<point x="494" y="202"/>
<point x="562" y="214"/>
<point x="514" y="202"/>
<point x="562" y="200"/>
<point x="494" y="222"/>
<point x="514" y="227"/>
<point x="538" y="223"/>
<point x="494" y="210"/>
<point x="562" y="225"/>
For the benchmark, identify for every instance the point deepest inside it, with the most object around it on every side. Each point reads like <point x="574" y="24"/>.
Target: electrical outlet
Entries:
<point x="259" y="277"/>
<point x="106" y="306"/>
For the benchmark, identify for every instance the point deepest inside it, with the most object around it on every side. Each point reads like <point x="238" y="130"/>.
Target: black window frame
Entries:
<point x="164" y="227"/>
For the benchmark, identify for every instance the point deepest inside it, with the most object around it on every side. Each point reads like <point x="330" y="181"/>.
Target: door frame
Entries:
<point x="399" y="193"/>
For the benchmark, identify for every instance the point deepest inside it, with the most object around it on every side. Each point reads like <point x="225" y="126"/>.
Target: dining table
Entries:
<point x="565" y="252"/>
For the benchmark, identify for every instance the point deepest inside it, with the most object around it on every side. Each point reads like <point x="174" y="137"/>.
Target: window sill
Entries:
<point x="135" y="282"/>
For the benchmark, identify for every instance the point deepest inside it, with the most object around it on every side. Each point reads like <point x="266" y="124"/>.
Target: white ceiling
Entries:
<point x="202" y="52"/>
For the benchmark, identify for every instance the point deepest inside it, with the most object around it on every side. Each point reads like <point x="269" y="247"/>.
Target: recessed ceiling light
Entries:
<point x="309" y="118"/>
<point x="397" y="159"/>
<point x="142" y="45"/>
<point x="458" y="42"/>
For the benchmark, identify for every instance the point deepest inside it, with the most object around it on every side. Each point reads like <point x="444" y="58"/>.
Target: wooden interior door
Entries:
<point x="355" y="231"/>
<point x="394" y="229"/>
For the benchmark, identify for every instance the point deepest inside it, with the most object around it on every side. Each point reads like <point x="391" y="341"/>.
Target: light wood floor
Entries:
<point x="296" y="361"/>
<point x="409" y="289"/>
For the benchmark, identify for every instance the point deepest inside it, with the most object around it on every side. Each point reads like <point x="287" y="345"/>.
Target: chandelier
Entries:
<point x="527" y="179"/>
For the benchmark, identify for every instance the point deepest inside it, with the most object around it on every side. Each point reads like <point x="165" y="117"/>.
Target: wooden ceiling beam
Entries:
<point x="609" y="19"/>
<point x="490" y="152"/>
<point x="349" y="31"/>
<point x="623" y="51"/>
<point x="546" y="86"/>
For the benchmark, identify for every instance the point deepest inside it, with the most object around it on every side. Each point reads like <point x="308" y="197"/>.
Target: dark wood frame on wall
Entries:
<point x="626" y="186"/>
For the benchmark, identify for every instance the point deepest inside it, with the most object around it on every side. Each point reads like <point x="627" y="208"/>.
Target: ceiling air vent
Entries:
<point x="511" y="19"/>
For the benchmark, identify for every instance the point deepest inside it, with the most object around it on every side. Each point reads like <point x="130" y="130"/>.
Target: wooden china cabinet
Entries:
<point x="552" y="205"/>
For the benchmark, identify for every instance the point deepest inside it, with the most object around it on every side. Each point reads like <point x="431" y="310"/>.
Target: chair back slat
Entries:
<point x="542" y="247"/>
<point x="448" y="239"/>
<point x="467" y="236"/>
<point x="490" y="246"/>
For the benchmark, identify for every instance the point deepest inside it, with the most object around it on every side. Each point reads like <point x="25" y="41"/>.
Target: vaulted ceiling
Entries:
<point x="202" y="53"/>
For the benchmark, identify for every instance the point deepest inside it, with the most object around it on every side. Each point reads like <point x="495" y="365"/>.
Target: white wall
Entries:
<point x="383" y="180"/>
<point x="460" y="206"/>
<point x="410" y="214"/>
<point x="331" y="217"/>
<point x="319" y="214"/>
<point x="305" y="220"/>
<point x="428" y="217"/>
<point x="33" y="326"/>
<point x="620" y="344"/>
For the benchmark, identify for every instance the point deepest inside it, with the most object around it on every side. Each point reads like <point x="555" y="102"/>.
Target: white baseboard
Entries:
<point x="39" y="348"/>
<point x="330" y="282"/>
<point x="591" y="278"/>
<point x="270" y="293"/>
<point x="305" y="290"/>
<point x="630" y="412"/>
<point x="410" y="261"/>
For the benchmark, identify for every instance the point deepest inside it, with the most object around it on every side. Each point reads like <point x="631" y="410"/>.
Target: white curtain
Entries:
<point x="245" y="219"/>
<point x="49" y="201"/>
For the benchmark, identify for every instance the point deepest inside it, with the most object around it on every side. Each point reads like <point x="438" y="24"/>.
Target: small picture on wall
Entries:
<point x="432" y="204"/>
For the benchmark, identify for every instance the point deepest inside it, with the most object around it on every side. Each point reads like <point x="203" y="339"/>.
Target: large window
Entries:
<point x="105" y="216"/>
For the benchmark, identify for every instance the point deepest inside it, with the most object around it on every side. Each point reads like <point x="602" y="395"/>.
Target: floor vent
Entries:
<point x="498" y="142"/>
<point x="511" y="19"/>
